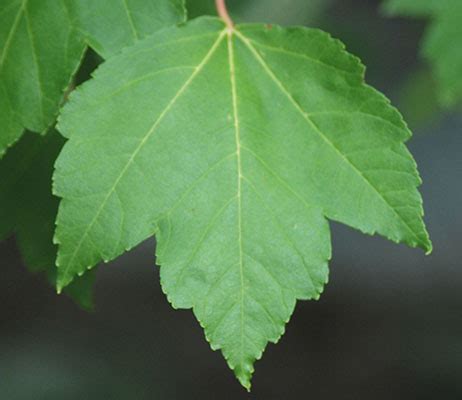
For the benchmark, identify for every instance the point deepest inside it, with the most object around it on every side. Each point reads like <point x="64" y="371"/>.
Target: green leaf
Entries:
<point x="39" y="52"/>
<point x="28" y="209"/>
<point x="233" y="148"/>
<point x="42" y="43"/>
<point x="110" y="25"/>
<point x="441" y="45"/>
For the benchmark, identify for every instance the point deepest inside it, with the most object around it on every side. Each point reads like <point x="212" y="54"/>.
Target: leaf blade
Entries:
<point x="234" y="180"/>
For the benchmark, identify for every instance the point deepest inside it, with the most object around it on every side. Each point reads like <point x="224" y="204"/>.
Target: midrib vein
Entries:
<point x="232" y="73"/>
<point x="283" y="89"/>
<point x="148" y="135"/>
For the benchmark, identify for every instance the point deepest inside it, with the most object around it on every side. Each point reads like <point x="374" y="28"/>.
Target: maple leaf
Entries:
<point x="234" y="146"/>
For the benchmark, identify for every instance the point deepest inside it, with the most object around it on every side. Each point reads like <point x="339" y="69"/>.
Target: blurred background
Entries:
<point x="389" y="325"/>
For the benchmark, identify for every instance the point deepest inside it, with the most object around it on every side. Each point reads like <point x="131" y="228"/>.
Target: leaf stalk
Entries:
<point x="223" y="13"/>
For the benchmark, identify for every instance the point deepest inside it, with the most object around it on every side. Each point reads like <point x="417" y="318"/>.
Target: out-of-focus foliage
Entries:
<point x="418" y="101"/>
<point x="442" y="45"/>
<point x="40" y="49"/>
<point x="28" y="209"/>
<point x="42" y="43"/>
